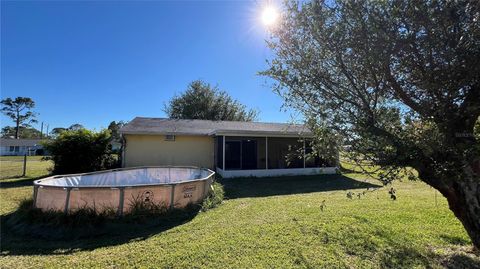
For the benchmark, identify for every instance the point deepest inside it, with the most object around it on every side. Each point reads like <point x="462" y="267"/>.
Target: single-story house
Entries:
<point x="232" y="148"/>
<point x="20" y="147"/>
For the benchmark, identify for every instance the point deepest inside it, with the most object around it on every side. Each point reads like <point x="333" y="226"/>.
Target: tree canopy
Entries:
<point x="114" y="128"/>
<point x="398" y="81"/>
<point x="57" y="130"/>
<point x="202" y="101"/>
<point x="76" y="127"/>
<point x="19" y="110"/>
<point x="24" y="132"/>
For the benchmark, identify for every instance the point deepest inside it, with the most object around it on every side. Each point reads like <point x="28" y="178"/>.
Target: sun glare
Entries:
<point x="269" y="15"/>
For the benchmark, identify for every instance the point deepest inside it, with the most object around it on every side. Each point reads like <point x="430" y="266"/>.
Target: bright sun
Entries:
<point x="269" y="15"/>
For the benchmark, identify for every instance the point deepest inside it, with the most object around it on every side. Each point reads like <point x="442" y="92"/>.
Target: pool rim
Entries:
<point x="38" y="182"/>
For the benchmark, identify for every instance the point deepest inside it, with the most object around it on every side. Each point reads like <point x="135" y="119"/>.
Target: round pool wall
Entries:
<point x="120" y="189"/>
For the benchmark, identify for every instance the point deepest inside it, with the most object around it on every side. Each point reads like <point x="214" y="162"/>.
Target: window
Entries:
<point x="169" y="138"/>
<point x="12" y="148"/>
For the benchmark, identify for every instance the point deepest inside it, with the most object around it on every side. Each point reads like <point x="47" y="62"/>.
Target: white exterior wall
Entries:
<point x="22" y="150"/>
<point x="277" y="172"/>
<point x="5" y="151"/>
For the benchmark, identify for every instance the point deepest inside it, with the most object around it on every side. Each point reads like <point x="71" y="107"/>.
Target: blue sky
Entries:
<point x="94" y="62"/>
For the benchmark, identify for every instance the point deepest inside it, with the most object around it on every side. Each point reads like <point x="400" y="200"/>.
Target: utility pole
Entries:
<point x="47" y="131"/>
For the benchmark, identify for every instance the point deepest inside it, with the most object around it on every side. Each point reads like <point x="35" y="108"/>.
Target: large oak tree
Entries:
<point x="398" y="80"/>
<point x="205" y="102"/>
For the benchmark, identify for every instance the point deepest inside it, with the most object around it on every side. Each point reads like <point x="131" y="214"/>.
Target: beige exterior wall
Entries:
<point x="144" y="150"/>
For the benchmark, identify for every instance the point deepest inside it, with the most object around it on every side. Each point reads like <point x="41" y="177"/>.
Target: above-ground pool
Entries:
<point x="120" y="189"/>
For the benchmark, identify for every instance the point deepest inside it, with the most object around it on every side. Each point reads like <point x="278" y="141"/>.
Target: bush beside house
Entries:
<point x="78" y="151"/>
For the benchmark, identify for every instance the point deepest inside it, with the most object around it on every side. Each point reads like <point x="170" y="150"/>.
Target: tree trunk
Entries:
<point x="463" y="198"/>
<point x="464" y="201"/>
<point x="17" y="128"/>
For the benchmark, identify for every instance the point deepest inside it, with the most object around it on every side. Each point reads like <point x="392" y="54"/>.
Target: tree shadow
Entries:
<point x="20" y="182"/>
<point x="110" y="233"/>
<point x="454" y="240"/>
<point x="400" y="253"/>
<point x="263" y="187"/>
<point x="460" y="260"/>
<point x="345" y="170"/>
<point x="405" y="256"/>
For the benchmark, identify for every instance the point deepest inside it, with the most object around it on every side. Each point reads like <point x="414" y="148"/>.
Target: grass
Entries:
<point x="12" y="167"/>
<point x="296" y="222"/>
<point x="12" y="185"/>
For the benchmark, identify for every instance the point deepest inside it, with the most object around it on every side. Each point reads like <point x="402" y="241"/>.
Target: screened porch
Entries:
<point x="237" y="156"/>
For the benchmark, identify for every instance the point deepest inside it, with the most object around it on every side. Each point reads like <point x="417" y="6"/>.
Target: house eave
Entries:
<point x="163" y="133"/>
<point x="260" y="133"/>
<point x="225" y="133"/>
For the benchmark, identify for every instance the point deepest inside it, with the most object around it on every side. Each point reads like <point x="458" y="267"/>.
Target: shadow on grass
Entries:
<point x="345" y="170"/>
<point x="19" y="181"/>
<point x="403" y="255"/>
<point x="108" y="233"/>
<point x="263" y="187"/>
<point x="400" y="253"/>
<point x="454" y="240"/>
<point x="460" y="260"/>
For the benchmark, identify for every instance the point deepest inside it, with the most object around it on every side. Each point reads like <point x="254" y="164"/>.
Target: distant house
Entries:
<point x="18" y="147"/>
<point x="232" y="148"/>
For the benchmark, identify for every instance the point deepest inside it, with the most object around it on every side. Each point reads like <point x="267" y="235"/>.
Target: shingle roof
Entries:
<point x="153" y="126"/>
<point x="6" y="142"/>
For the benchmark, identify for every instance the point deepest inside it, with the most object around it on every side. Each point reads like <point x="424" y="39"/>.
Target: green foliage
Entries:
<point x="395" y="81"/>
<point x="114" y="128"/>
<point x="14" y="109"/>
<point x="56" y="131"/>
<point x="24" y="132"/>
<point x="204" y="102"/>
<point x="76" y="127"/>
<point x="141" y="210"/>
<point x="319" y="151"/>
<point x="363" y="71"/>
<point x="214" y="198"/>
<point x="80" y="151"/>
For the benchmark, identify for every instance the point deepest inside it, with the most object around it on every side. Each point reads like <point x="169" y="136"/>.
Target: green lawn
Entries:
<point x="271" y="223"/>
<point x="12" y="166"/>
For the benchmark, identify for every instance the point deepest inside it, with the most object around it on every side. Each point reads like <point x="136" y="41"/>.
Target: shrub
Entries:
<point x="141" y="210"/>
<point x="77" y="151"/>
<point x="30" y="221"/>
<point x="214" y="198"/>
